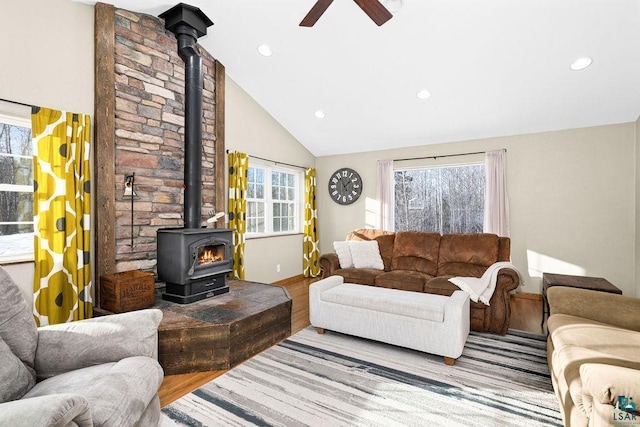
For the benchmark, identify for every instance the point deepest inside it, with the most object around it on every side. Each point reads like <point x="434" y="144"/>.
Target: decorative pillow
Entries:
<point x="344" y="254"/>
<point x="15" y="378"/>
<point x="366" y="254"/>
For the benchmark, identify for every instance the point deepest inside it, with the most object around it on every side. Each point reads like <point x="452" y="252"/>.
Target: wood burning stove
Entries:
<point x="195" y="262"/>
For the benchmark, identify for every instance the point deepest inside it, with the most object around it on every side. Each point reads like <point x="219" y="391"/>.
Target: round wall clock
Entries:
<point x="345" y="186"/>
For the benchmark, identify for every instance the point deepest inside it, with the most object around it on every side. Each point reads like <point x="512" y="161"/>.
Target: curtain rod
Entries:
<point x="16" y="102"/>
<point x="443" y="155"/>
<point x="276" y="162"/>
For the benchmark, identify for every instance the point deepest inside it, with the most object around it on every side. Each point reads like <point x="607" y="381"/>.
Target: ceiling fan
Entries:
<point x="376" y="11"/>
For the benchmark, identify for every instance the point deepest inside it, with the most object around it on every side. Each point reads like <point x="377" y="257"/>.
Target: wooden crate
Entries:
<point x="127" y="291"/>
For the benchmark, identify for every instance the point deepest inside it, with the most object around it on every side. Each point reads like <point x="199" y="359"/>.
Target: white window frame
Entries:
<point x="20" y="116"/>
<point x="269" y="201"/>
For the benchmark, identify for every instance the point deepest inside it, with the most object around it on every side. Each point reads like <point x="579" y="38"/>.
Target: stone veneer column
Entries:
<point x="149" y="133"/>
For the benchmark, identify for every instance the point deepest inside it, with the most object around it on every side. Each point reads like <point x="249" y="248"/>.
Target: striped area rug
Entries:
<point x="339" y="380"/>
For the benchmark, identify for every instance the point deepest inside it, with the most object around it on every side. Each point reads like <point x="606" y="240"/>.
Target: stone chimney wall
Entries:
<point x="149" y="136"/>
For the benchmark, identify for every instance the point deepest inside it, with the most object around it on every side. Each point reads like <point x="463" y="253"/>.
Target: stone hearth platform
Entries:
<point x="220" y="332"/>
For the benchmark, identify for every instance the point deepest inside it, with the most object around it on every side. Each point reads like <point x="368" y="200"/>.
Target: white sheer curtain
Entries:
<point x="496" y="200"/>
<point x="384" y="220"/>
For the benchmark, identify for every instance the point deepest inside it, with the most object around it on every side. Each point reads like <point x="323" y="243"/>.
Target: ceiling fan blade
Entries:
<point x="315" y="13"/>
<point x="376" y="11"/>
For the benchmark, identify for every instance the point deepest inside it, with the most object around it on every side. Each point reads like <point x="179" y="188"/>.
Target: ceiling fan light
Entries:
<point x="264" y="50"/>
<point x="319" y="114"/>
<point x="581" y="63"/>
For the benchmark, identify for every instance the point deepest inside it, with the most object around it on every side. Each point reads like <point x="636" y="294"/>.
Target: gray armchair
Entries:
<point x="95" y="372"/>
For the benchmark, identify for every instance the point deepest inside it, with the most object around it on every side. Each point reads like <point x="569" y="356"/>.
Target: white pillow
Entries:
<point x="366" y="254"/>
<point x="344" y="254"/>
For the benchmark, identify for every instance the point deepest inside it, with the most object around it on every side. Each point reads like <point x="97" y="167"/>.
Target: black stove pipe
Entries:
<point x="188" y="23"/>
<point x="192" y="125"/>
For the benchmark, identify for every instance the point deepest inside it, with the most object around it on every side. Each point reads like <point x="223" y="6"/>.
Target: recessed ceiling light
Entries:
<point x="581" y="63"/>
<point x="264" y="50"/>
<point x="423" y="94"/>
<point x="319" y="114"/>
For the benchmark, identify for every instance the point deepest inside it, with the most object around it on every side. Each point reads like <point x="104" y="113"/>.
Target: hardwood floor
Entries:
<point x="525" y="315"/>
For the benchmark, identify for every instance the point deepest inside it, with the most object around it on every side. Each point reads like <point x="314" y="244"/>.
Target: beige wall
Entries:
<point x="47" y="54"/>
<point x="250" y="129"/>
<point x="572" y="199"/>
<point x="47" y="60"/>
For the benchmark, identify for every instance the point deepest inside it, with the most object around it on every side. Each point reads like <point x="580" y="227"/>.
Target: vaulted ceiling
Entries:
<point x="491" y="67"/>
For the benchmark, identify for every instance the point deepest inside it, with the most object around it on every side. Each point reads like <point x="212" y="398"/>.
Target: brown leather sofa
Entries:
<point x="423" y="262"/>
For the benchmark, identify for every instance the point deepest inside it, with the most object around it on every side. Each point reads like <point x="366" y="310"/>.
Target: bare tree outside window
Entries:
<point x="440" y="199"/>
<point x="16" y="180"/>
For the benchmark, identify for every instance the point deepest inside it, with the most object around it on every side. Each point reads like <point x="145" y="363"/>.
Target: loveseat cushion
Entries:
<point x="567" y="330"/>
<point x="410" y="304"/>
<point x="17" y="327"/>
<point x="118" y="393"/>
<point x="406" y="280"/>
<point x="467" y="255"/>
<point x="417" y="251"/>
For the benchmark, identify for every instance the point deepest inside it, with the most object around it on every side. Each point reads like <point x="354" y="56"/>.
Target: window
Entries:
<point x="273" y="200"/>
<point x="441" y="199"/>
<point x="16" y="184"/>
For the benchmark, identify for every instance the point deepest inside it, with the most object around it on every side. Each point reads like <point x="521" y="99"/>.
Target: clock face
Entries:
<point x="345" y="186"/>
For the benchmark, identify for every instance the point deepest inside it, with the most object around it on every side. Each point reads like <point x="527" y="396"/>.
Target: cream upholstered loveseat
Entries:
<point x="593" y="352"/>
<point x="424" y="262"/>
<point x="101" y="371"/>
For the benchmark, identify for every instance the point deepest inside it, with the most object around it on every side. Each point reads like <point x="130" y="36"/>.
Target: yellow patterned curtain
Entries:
<point x="62" y="284"/>
<point x="310" y="243"/>
<point x="238" y="169"/>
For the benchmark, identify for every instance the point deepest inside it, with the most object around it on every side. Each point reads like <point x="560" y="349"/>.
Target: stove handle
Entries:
<point x="193" y="266"/>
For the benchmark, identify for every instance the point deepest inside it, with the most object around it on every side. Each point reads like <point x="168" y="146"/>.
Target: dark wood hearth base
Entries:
<point x="220" y="332"/>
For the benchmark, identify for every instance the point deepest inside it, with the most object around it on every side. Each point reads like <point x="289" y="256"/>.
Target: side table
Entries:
<point x="582" y="282"/>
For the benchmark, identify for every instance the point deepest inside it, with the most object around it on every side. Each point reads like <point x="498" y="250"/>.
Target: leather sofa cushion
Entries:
<point x="406" y="280"/>
<point x="442" y="286"/>
<point x="467" y="255"/>
<point x="362" y="276"/>
<point x="417" y="251"/>
<point x="386" y="243"/>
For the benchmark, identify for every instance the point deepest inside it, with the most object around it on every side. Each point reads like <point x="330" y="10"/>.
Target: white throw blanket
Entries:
<point x="482" y="288"/>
